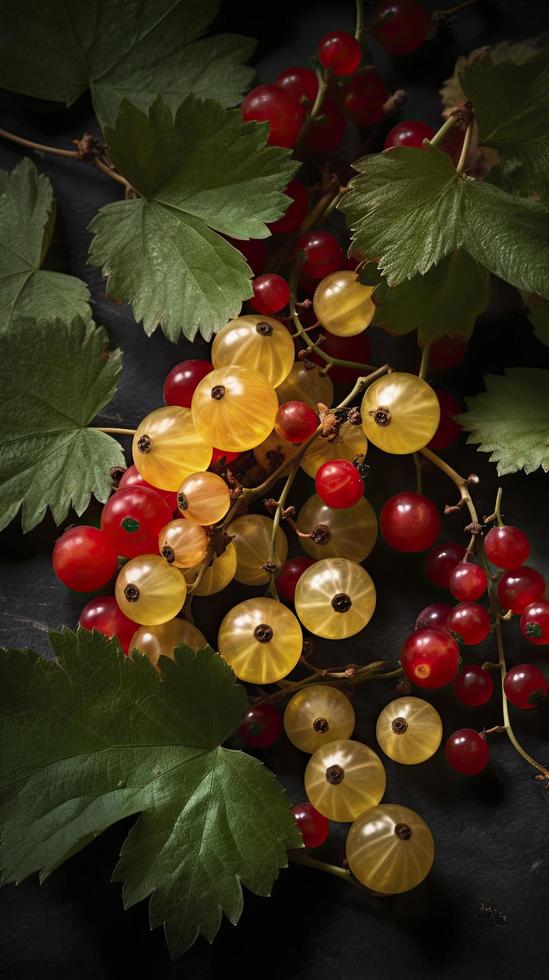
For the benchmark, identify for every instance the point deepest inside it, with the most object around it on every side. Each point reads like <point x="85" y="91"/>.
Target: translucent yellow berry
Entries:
<point x="409" y="730"/>
<point x="335" y="598"/>
<point x="316" y="715"/>
<point x="182" y="543"/>
<point x="150" y="591"/>
<point x="203" y="498"/>
<point x="349" y="532"/>
<point x="351" y="443"/>
<point x="235" y="408"/>
<point x="261" y="640"/>
<point x="160" y="641"/>
<point x="166" y="447"/>
<point x="252" y="540"/>
<point x="390" y="849"/>
<point x="259" y="343"/>
<point x="273" y="451"/>
<point x="400" y="413"/>
<point x="217" y="576"/>
<point x="342" y="304"/>
<point x="343" y="779"/>
<point x="307" y="385"/>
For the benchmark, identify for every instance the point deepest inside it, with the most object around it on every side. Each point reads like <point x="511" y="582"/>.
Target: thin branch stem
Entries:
<point x="346" y="677"/>
<point x="419" y="474"/>
<point x="448" y="11"/>
<point x="497" y="509"/>
<point x="424" y="363"/>
<point x="39" y="147"/>
<point x="442" y="133"/>
<point x="113" y="174"/>
<point x="465" y="148"/>
<point x="460" y="481"/>
<point x="113" y="431"/>
<point x="301" y="857"/>
<point x="359" y="21"/>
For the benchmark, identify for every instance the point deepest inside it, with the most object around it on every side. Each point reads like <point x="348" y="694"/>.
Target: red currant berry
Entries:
<point x="254" y="251"/>
<point x="83" y="558"/>
<point x="448" y="429"/>
<point x="469" y="622"/>
<point x="357" y="348"/>
<point x="326" y="131"/>
<point x="182" y="380"/>
<point x="339" y="484"/>
<point x="271" y="293"/>
<point x="409" y="522"/>
<point x="506" y="547"/>
<point x="468" y="581"/>
<point x="132" y="520"/>
<point x="313" y="826"/>
<point x="296" y="211"/>
<point x="467" y="751"/>
<point x="406" y="25"/>
<point x="473" y="686"/>
<point x="519" y="588"/>
<point x="364" y="97"/>
<point x="321" y="254"/>
<point x="525" y="686"/>
<point x="289" y="574"/>
<point x="534" y="623"/>
<point x="447" y="352"/>
<point x="409" y="133"/>
<point x="430" y="657"/>
<point x="340" y="52"/>
<point x="103" y="614"/>
<point x="271" y="104"/>
<point x="218" y="454"/>
<point x="434" y="615"/>
<point x="301" y="84"/>
<point x="262" y="726"/>
<point x="132" y="478"/>
<point x="295" y="421"/>
<point x="441" y="560"/>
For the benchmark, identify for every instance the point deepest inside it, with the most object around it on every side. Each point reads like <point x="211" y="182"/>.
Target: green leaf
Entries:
<point x="538" y="314"/>
<point x="27" y="217"/>
<point x="444" y="302"/>
<point x="409" y="208"/>
<point x="199" y="173"/>
<point x="123" y="48"/>
<point x="55" y="378"/>
<point x="510" y="420"/>
<point x="96" y="737"/>
<point x="511" y="103"/>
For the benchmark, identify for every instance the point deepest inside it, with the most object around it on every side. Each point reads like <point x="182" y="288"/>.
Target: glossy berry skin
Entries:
<point x="204" y="498"/>
<point x="289" y="574"/>
<point x="251" y="536"/>
<point x="261" y="640"/>
<point x="300" y="83"/>
<point x="160" y="641"/>
<point x="468" y="581"/>
<point x="241" y="417"/>
<point x="506" y="547"/>
<point x="182" y="380"/>
<point x="430" y="658"/>
<point x="321" y="254"/>
<point x="262" y="726"/>
<point x="256" y="343"/>
<point x="348" y="532"/>
<point x="296" y="210"/>
<point x="149" y="590"/>
<point x="319" y="589"/>
<point x="340" y="53"/>
<point x="534" y="623"/>
<point x="520" y="587"/>
<point x="409" y="522"/>
<point x="344" y="778"/>
<point x="343" y="305"/>
<point x="103" y="614"/>
<point x="271" y="104"/>
<point x="83" y="558"/>
<point x="390" y="849"/>
<point x="525" y="686"/>
<point x="271" y="293"/>
<point x="339" y="484"/>
<point x="409" y="133"/>
<point x="357" y="348"/>
<point x="448" y="429"/>
<point x="441" y="561"/>
<point x="326" y="131"/>
<point x="469" y="622"/>
<point x="182" y="543"/>
<point x="433" y="615"/>
<point x="217" y="575"/>
<point x="318" y="714"/>
<point x="132" y="520"/>
<point x="167" y="447"/>
<point x="132" y="478"/>
<point x="364" y="97"/>
<point x="467" y="751"/>
<point x="447" y="352"/>
<point x="306" y="384"/>
<point x="473" y="686"/>
<point x="406" y="27"/>
<point x="400" y="413"/>
<point x="295" y="421"/>
<point x="313" y="826"/>
<point x="409" y="730"/>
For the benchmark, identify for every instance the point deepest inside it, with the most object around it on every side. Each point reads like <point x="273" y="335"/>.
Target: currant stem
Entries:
<point x="465" y="148"/>
<point x="113" y="431"/>
<point x="359" y="20"/>
<point x="39" y="147"/>
<point x="113" y="174"/>
<point x="301" y="857"/>
<point x="442" y="133"/>
<point x="460" y="481"/>
<point x="276" y="524"/>
<point x="419" y="474"/>
<point x="424" y="363"/>
<point x="497" y="509"/>
<point x="335" y="678"/>
<point x="438" y="15"/>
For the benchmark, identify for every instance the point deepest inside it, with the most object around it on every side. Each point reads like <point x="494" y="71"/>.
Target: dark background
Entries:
<point x="483" y="909"/>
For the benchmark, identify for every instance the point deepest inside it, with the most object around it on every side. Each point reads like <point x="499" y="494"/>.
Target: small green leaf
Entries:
<point x="444" y="302"/>
<point x="123" y="48"/>
<point x="49" y="458"/>
<point x="93" y="737"/>
<point x="27" y="217"/>
<point x="199" y="173"/>
<point x="409" y="208"/>
<point x="510" y="420"/>
<point x="538" y="314"/>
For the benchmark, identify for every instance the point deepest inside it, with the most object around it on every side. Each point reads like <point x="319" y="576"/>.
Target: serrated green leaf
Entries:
<point x="125" y="48"/>
<point x="27" y="217"/>
<point x="511" y="103"/>
<point x="199" y="173"/>
<point x="538" y="314"/>
<point x="409" y="208"/>
<point x="444" y="302"/>
<point x="510" y="420"/>
<point x="94" y="737"/>
<point x="49" y="458"/>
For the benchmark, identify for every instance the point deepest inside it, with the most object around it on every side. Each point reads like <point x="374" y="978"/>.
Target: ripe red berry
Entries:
<point x="409" y="133"/>
<point x="295" y="421"/>
<point x="103" y="614"/>
<point x="182" y="380"/>
<point x="534" y="623"/>
<point x="132" y="478"/>
<point x="83" y="558"/>
<point x="300" y="83"/>
<point x="321" y="254"/>
<point x="132" y="520"/>
<point x="313" y="826"/>
<point x="328" y="129"/>
<point x="433" y="615"/>
<point x="271" y="104"/>
<point x="339" y="484"/>
<point x="506" y="547"/>
<point x="447" y="352"/>
<point x="467" y="751"/>
<point x="406" y="25"/>
<point x="295" y="212"/>
<point x="448" y="429"/>
<point x="473" y="686"/>
<point x="525" y="686"/>
<point x="441" y="560"/>
<point x="468" y="581"/>
<point x="262" y="726"/>
<point x="289" y="574"/>
<point x="340" y="52"/>
<point x="363" y="98"/>
<point x="357" y="348"/>
<point x="520" y="587"/>
<point x="469" y="622"/>
<point x="271" y="294"/>
<point x="430" y="657"/>
<point x="409" y="522"/>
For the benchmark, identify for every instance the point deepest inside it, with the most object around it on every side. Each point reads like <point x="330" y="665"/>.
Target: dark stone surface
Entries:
<point x="482" y="911"/>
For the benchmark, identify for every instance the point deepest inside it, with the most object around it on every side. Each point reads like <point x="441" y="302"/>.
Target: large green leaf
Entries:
<point x="444" y="302"/>
<point x="137" y="49"/>
<point x="510" y="419"/>
<point x="409" y="208"/>
<point x="511" y="103"/>
<point x="96" y="737"/>
<point x="27" y="215"/>
<point x="54" y="378"/>
<point x="199" y="173"/>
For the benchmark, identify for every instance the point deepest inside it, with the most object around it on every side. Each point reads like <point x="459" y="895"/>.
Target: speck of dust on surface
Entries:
<point x="490" y="915"/>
